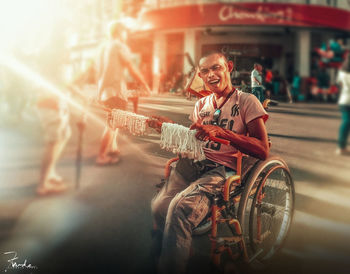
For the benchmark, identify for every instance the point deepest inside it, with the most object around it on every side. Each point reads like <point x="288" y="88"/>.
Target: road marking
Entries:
<point x="335" y="228"/>
<point x="332" y="194"/>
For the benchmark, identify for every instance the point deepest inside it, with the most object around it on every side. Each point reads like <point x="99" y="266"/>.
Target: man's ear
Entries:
<point x="230" y="65"/>
<point x="199" y="74"/>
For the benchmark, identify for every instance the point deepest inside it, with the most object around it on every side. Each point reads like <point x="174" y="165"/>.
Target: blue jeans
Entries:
<point x="344" y="126"/>
<point x="259" y="93"/>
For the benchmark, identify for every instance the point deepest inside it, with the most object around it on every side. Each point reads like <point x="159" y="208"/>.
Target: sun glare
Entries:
<point x="27" y="73"/>
<point x="27" y="24"/>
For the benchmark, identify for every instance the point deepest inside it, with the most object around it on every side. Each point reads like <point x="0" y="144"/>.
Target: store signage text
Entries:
<point x="261" y="14"/>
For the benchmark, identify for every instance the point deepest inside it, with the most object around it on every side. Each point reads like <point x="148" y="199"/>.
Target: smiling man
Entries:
<point x="183" y="202"/>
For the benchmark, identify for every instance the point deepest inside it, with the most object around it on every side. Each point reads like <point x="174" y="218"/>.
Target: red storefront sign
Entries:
<point x="269" y="14"/>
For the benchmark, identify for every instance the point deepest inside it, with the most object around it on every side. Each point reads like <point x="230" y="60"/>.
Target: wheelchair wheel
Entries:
<point x="266" y="208"/>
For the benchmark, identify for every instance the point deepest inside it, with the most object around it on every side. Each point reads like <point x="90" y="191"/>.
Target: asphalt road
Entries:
<point x="104" y="227"/>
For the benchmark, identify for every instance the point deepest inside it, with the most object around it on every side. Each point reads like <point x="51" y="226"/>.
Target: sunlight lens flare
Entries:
<point x="27" y="73"/>
<point x="28" y="24"/>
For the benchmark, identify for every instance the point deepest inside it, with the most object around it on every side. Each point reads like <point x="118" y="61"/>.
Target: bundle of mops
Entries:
<point x="181" y="140"/>
<point x="136" y="124"/>
<point x="174" y="137"/>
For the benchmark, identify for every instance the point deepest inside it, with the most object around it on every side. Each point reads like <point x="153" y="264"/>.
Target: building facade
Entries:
<point x="279" y="34"/>
<point x="169" y="36"/>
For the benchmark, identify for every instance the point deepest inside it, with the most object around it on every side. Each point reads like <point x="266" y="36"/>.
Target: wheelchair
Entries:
<point x="251" y="217"/>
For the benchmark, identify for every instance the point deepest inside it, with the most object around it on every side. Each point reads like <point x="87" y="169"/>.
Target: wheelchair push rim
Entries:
<point x="271" y="213"/>
<point x="266" y="209"/>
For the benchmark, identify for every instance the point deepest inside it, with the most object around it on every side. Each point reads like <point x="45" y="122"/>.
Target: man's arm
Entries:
<point x="136" y="73"/>
<point x="157" y="121"/>
<point x="76" y="85"/>
<point x="256" y="144"/>
<point x="256" y="80"/>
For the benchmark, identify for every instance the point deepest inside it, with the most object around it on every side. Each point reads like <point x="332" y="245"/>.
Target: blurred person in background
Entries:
<point x="296" y="84"/>
<point x="323" y="83"/>
<point x="268" y="82"/>
<point x="54" y="116"/>
<point x="332" y="52"/>
<point x="276" y="82"/>
<point x="244" y="87"/>
<point x="343" y="79"/>
<point x="113" y="60"/>
<point x="256" y="82"/>
<point x="285" y="89"/>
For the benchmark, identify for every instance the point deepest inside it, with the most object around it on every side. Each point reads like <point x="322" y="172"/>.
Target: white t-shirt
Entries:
<point x="110" y="61"/>
<point x="236" y="113"/>
<point x="344" y="79"/>
<point x="255" y="75"/>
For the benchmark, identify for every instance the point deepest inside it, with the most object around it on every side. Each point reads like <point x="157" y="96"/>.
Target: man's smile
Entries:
<point x="214" y="81"/>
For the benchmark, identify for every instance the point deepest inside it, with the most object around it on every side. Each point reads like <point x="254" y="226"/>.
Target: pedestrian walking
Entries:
<point x="114" y="59"/>
<point x="343" y="80"/>
<point x="256" y="82"/>
<point x="268" y="83"/>
<point x="323" y="84"/>
<point x="296" y="84"/>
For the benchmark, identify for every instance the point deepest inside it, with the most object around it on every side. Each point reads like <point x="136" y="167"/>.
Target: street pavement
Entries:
<point x="104" y="226"/>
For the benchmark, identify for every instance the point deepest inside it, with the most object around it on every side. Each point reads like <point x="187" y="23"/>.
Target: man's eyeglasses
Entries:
<point x="216" y="116"/>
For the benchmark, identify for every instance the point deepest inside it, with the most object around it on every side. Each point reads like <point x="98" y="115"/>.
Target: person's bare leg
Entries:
<point x="114" y="142"/>
<point x="106" y="140"/>
<point x="56" y="154"/>
<point x="47" y="164"/>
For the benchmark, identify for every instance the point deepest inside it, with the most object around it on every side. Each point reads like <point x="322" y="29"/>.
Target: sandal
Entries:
<point x="114" y="160"/>
<point x="56" y="181"/>
<point x="114" y="153"/>
<point x="51" y="189"/>
<point x="107" y="160"/>
<point x="101" y="161"/>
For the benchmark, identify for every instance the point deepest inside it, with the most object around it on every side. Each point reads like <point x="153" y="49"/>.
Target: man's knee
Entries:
<point x="190" y="209"/>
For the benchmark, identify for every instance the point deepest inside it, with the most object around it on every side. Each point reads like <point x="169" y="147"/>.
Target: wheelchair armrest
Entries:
<point x="167" y="166"/>
<point x="236" y="180"/>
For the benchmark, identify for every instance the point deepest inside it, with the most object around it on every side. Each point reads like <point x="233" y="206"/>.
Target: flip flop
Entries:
<point x="107" y="160"/>
<point x="114" y="153"/>
<point x="103" y="161"/>
<point x="114" y="160"/>
<point x="51" y="189"/>
<point x="56" y="181"/>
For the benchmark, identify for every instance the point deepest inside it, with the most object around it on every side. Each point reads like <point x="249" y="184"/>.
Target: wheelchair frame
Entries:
<point x="221" y="211"/>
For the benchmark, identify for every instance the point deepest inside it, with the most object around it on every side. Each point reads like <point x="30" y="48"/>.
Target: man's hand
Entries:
<point x="207" y="132"/>
<point x="157" y="121"/>
<point x="162" y="119"/>
<point x="153" y="123"/>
